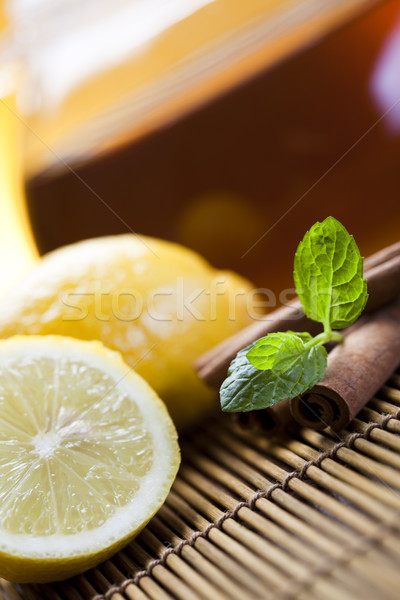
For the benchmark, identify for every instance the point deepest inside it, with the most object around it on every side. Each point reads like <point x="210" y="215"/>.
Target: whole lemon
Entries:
<point x="158" y="303"/>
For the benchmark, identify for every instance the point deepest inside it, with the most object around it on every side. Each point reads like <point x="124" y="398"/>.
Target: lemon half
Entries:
<point x="88" y="454"/>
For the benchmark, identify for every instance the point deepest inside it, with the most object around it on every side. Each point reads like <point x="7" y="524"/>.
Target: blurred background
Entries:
<point x="225" y="125"/>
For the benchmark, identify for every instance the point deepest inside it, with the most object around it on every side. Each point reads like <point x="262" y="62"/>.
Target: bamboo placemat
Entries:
<point x="310" y="516"/>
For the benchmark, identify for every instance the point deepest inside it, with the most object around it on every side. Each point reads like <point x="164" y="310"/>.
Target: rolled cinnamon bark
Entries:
<point x="382" y="256"/>
<point x="213" y="365"/>
<point x="382" y="270"/>
<point x="273" y="420"/>
<point x="281" y="417"/>
<point x="383" y="283"/>
<point x="356" y="370"/>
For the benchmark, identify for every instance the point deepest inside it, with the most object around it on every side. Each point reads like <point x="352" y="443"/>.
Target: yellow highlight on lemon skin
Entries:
<point x="17" y="253"/>
<point x="160" y="304"/>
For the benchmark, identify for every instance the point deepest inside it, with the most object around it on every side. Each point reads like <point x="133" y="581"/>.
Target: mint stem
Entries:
<point x="323" y="338"/>
<point x="336" y="336"/>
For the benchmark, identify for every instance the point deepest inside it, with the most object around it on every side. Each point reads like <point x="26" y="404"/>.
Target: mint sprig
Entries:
<point x="328" y="274"/>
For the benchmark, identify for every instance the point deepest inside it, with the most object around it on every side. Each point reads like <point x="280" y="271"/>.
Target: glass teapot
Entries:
<point x="228" y="126"/>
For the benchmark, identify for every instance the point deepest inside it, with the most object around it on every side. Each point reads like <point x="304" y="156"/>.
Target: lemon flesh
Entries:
<point x="88" y="453"/>
<point x="158" y="303"/>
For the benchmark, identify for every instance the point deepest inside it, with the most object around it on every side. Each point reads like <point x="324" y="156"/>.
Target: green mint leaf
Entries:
<point x="247" y="388"/>
<point x="328" y="274"/>
<point x="277" y="351"/>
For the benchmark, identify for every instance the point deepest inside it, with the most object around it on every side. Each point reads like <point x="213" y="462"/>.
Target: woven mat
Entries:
<point x="312" y="516"/>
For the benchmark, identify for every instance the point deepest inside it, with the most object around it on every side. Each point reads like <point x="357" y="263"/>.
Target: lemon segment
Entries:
<point x="88" y="453"/>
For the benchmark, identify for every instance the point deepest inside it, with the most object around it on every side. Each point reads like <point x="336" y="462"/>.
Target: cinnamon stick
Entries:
<point x="271" y="420"/>
<point x="382" y="256"/>
<point x="356" y="370"/>
<point x="213" y="365"/>
<point x="382" y="270"/>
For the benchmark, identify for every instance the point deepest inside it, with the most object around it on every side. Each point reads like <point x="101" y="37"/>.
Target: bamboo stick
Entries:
<point x="390" y="393"/>
<point x="135" y="593"/>
<point x="69" y="591"/>
<point x="262" y="525"/>
<point x="280" y="559"/>
<point x="166" y="577"/>
<point x="343" y="512"/>
<point x="98" y="580"/>
<point x="378" y="435"/>
<point x="371" y="488"/>
<point x="204" y="565"/>
<point x="151" y="588"/>
<point x="303" y="511"/>
<point x="134" y="552"/>
<point x="8" y="591"/>
<point x="368" y="505"/>
<point x="246" y="554"/>
<point x="84" y="586"/>
<point x="362" y="463"/>
<point x="209" y="549"/>
<point x="112" y="572"/>
<point x="175" y="562"/>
